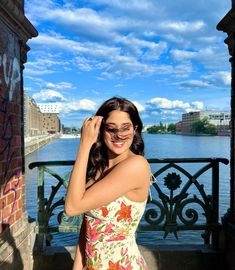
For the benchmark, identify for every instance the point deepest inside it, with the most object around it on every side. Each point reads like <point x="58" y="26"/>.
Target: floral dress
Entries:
<point x="110" y="236"/>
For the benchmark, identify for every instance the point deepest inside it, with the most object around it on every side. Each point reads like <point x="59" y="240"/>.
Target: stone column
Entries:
<point x="227" y="24"/>
<point x="16" y="233"/>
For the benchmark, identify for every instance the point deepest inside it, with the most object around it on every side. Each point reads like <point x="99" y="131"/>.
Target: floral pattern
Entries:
<point x="110" y="236"/>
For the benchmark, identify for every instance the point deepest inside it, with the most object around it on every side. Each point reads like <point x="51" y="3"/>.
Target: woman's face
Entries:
<point x="118" y="132"/>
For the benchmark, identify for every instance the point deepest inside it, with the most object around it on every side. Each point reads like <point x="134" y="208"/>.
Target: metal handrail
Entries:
<point x="168" y="211"/>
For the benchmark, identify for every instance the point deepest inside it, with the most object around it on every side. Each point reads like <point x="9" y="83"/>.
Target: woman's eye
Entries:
<point x="124" y="130"/>
<point x="110" y="129"/>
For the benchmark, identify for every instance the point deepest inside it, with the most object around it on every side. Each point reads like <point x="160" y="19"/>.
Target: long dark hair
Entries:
<point x="98" y="158"/>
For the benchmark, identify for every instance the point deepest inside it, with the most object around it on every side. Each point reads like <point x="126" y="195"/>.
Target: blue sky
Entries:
<point x="165" y="56"/>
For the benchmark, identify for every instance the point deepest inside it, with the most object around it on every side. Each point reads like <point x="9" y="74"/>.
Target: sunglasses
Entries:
<point x="123" y="132"/>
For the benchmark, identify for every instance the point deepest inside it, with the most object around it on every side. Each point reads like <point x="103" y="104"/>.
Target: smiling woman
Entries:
<point x="109" y="183"/>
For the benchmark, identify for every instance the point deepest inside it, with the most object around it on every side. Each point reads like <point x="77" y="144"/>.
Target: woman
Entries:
<point x="109" y="183"/>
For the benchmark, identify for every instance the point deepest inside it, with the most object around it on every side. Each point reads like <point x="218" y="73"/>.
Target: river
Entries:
<point x="156" y="146"/>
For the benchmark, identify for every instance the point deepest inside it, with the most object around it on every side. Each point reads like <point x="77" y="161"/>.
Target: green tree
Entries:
<point x="162" y="128"/>
<point x="202" y="126"/>
<point x="171" y="128"/>
<point x="153" y="129"/>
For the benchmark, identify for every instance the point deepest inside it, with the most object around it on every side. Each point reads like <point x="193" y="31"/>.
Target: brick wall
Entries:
<point x="17" y="233"/>
<point x="12" y="189"/>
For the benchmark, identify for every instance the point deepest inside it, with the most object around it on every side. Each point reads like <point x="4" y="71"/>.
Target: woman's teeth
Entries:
<point x="118" y="144"/>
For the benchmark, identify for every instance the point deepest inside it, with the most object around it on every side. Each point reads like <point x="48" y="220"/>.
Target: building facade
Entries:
<point x="51" y="123"/>
<point x="39" y="119"/>
<point x="178" y="127"/>
<point x="220" y="119"/>
<point x="49" y="107"/>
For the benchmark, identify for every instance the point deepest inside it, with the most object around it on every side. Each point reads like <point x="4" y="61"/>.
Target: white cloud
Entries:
<point x="43" y="66"/>
<point x="173" y="107"/>
<point x="182" y="26"/>
<point x="220" y="79"/>
<point x="108" y="58"/>
<point x="170" y="112"/>
<point x="120" y="85"/>
<point x="194" y="84"/>
<point x="164" y="40"/>
<point x="48" y="95"/>
<point x="83" y="104"/>
<point x="226" y="77"/>
<point x="164" y="103"/>
<point x="59" y="86"/>
<point x="155" y="113"/>
<point x="140" y="107"/>
<point x="210" y="57"/>
<point x="198" y="105"/>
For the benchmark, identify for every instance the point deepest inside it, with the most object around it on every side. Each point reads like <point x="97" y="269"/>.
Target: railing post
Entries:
<point x="41" y="209"/>
<point x="215" y="203"/>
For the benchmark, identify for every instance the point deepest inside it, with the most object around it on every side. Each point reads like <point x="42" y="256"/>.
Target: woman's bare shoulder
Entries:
<point x="136" y="163"/>
<point x="137" y="159"/>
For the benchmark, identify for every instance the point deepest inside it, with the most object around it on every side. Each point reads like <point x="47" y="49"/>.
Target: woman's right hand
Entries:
<point x="90" y="130"/>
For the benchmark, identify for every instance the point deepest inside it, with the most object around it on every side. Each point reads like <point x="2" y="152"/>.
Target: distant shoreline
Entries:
<point x="188" y="134"/>
<point x="32" y="144"/>
<point x="70" y="136"/>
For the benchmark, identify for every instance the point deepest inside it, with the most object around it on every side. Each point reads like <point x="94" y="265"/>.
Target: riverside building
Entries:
<point x="40" y="119"/>
<point x="220" y="119"/>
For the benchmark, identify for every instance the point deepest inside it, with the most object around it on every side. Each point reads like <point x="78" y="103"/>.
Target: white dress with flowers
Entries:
<point x="110" y="236"/>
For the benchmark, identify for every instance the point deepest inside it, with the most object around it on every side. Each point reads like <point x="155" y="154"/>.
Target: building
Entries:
<point x="220" y="119"/>
<point x="32" y="117"/>
<point x="49" y="107"/>
<point x="178" y="127"/>
<point x="39" y="120"/>
<point x="51" y="123"/>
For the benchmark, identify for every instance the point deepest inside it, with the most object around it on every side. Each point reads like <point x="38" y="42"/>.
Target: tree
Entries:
<point x="202" y="126"/>
<point x="153" y="129"/>
<point x="171" y="128"/>
<point x="161" y="128"/>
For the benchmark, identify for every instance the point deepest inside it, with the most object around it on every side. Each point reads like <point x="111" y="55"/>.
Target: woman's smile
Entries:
<point x="118" y="144"/>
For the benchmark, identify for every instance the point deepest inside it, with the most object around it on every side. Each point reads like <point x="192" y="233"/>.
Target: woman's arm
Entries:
<point x="77" y="183"/>
<point x="130" y="174"/>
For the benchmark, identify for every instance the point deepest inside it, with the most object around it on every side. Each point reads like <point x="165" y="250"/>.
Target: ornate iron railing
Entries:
<point x="175" y="190"/>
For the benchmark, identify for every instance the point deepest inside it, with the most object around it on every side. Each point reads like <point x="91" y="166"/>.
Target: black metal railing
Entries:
<point x="185" y="196"/>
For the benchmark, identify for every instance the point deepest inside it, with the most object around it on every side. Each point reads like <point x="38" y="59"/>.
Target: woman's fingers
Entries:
<point x="93" y="123"/>
<point x="98" y="123"/>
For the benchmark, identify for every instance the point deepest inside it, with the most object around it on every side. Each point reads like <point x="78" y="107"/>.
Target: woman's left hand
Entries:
<point x="90" y="130"/>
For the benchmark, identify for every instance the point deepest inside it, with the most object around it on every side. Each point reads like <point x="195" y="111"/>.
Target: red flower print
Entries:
<point x="90" y="268"/>
<point x="124" y="213"/>
<point x="109" y="228"/>
<point x="140" y="261"/>
<point x="105" y="211"/>
<point x="92" y="233"/>
<point x="90" y="250"/>
<point x="123" y="252"/>
<point x="116" y="238"/>
<point x="127" y="259"/>
<point x="114" y="266"/>
<point x="97" y="222"/>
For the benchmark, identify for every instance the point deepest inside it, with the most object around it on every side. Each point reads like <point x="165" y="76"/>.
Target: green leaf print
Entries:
<point x="95" y="257"/>
<point x="99" y="228"/>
